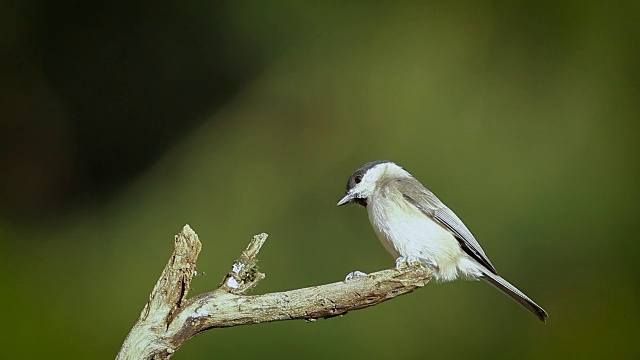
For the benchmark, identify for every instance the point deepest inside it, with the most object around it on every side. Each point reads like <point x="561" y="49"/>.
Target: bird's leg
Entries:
<point x="410" y="260"/>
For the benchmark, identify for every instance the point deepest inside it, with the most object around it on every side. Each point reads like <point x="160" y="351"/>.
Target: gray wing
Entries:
<point x="430" y="205"/>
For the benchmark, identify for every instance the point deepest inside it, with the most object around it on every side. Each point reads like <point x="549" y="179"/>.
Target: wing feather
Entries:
<point x="431" y="206"/>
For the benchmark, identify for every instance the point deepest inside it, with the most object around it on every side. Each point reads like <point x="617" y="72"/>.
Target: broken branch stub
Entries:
<point x="244" y="274"/>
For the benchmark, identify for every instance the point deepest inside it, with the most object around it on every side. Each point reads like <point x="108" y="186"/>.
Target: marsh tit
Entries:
<point x="414" y="225"/>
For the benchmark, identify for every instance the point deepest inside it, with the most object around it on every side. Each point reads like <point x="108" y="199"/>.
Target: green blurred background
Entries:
<point x="122" y="121"/>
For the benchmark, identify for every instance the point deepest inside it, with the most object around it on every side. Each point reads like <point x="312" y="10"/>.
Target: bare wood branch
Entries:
<point x="169" y="319"/>
<point x="145" y="340"/>
<point x="244" y="274"/>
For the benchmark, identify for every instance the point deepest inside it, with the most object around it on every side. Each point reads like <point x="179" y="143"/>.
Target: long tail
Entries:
<point x="512" y="292"/>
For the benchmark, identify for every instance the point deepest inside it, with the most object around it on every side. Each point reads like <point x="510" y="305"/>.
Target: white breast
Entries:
<point x="405" y="231"/>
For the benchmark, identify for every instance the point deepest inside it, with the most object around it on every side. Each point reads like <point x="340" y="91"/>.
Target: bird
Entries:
<point x="413" y="225"/>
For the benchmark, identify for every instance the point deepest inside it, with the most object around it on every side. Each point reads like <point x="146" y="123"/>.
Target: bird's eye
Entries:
<point x="357" y="179"/>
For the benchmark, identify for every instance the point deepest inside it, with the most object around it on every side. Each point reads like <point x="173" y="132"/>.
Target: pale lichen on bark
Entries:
<point x="169" y="318"/>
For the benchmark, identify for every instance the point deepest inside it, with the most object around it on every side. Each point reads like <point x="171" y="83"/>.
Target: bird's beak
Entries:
<point x="346" y="199"/>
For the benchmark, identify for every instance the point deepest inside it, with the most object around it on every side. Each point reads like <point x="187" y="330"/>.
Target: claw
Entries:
<point x="354" y="274"/>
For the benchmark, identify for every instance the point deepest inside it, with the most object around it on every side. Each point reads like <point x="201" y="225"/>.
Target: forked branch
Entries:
<point x="169" y="319"/>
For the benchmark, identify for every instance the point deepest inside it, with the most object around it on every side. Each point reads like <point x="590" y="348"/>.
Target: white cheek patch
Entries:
<point x="365" y="187"/>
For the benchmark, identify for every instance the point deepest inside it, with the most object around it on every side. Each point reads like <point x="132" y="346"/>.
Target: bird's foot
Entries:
<point x="404" y="261"/>
<point x="354" y="274"/>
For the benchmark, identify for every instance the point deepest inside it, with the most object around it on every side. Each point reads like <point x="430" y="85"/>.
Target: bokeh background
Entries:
<point x="122" y="121"/>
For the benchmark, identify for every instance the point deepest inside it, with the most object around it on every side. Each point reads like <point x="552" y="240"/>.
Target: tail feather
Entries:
<point x="515" y="294"/>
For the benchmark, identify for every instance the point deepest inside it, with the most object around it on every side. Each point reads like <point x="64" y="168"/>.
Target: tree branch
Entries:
<point x="169" y="319"/>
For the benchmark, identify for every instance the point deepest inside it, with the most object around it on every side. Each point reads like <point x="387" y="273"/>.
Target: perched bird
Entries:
<point x="414" y="225"/>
